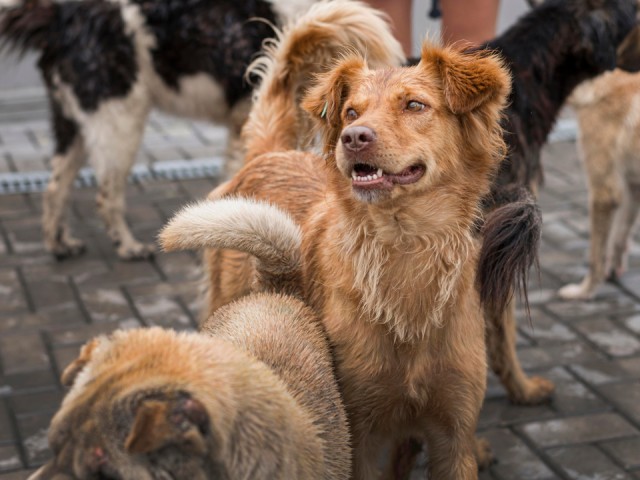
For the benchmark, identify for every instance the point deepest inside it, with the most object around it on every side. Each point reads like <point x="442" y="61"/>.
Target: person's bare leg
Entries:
<point x="472" y="21"/>
<point x="400" y="13"/>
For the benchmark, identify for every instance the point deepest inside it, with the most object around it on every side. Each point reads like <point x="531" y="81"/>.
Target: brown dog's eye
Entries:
<point x="414" y="106"/>
<point x="351" y="114"/>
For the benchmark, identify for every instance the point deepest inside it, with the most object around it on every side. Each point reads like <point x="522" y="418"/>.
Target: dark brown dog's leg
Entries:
<point x="452" y="452"/>
<point x="501" y="348"/>
<point x="403" y="459"/>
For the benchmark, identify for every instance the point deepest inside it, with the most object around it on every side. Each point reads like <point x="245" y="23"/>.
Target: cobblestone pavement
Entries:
<point x="48" y="309"/>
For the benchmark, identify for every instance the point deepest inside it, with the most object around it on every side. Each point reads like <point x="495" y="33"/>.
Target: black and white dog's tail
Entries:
<point x="25" y="24"/>
<point x="250" y="226"/>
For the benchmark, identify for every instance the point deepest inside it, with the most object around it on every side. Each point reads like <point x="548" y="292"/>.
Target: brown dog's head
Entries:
<point x="406" y="130"/>
<point x="126" y="417"/>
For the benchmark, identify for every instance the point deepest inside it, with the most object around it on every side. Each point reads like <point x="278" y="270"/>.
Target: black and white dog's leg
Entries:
<point x="66" y="162"/>
<point x="113" y="135"/>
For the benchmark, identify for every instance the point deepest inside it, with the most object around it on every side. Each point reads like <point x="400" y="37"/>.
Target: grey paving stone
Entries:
<point x="33" y="429"/>
<point x="6" y="430"/>
<point x="625" y="395"/>
<point x="22" y="353"/>
<point x="633" y="323"/>
<point x="107" y="305"/>
<point x="632" y="365"/>
<point x="585" y="462"/>
<point x="21" y="475"/>
<point x="79" y="334"/>
<point x="12" y="206"/>
<point x="598" y="307"/>
<point x="544" y="329"/>
<point x="12" y="296"/>
<point x="547" y="356"/>
<point x="178" y="266"/>
<point x="609" y="337"/>
<point x="47" y="402"/>
<point x="571" y="396"/>
<point x="631" y="281"/>
<point x="499" y="412"/>
<point x="81" y="268"/>
<point x="51" y="293"/>
<point x="580" y="429"/>
<point x="29" y="381"/>
<point x="601" y="371"/>
<point x="626" y="451"/>
<point x="516" y="460"/>
<point x="165" y="312"/>
<point x="9" y="458"/>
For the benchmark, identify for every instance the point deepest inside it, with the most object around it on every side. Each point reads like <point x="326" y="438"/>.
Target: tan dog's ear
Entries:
<point x="71" y="372"/>
<point x="325" y="100"/>
<point x="159" y="423"/>
<point x="469" y="80"/>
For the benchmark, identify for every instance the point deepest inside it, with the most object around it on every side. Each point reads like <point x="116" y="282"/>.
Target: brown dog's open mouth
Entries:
<point x="369" y="177"/>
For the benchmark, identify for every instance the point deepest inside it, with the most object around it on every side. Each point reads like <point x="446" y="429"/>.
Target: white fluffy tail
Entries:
<point x="257" y="228"/>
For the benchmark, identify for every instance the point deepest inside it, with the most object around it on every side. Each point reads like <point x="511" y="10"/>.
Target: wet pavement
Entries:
<point x="48" y="309"/>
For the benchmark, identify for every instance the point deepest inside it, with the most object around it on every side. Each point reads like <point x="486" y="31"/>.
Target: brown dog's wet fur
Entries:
<point x="608" y="111"/>
<point x="252" y="396"/>
<point x="391" y="270"/>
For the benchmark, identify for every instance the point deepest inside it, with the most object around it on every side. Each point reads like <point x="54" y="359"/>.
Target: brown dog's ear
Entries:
<point x="71" y="372"/>
<point x="325" y="100"/>
<point x="469" y="80"/>
<point x="628" y="53"/>
<point x="159" y="423"/>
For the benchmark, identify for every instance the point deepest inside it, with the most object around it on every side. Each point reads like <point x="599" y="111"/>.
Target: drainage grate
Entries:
<point x="33" y="182"/>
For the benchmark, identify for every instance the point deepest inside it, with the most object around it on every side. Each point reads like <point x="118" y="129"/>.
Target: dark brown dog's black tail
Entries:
<point x="25" y="24"/>
<point x="510" y="238"/>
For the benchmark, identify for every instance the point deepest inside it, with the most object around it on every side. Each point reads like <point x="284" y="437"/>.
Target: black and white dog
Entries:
<point x="106" y="63"/>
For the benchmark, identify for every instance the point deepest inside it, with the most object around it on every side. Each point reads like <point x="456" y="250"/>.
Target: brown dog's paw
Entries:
<point x="136" y="251"/>
<point x="537" y="390"/>
<point x="484" y="455"/>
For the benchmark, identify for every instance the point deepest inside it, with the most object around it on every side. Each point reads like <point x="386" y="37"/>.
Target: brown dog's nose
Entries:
<point x="358" y="138"/>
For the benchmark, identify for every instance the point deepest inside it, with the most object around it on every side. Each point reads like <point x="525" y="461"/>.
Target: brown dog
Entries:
<point x="253" y="397"/>
<point x="388" y="218"/>
<point x="608" y="110"/>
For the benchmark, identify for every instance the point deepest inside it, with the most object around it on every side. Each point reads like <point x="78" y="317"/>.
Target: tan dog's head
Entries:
<point x="129" y="415"/>
<point x="409" y="130"/>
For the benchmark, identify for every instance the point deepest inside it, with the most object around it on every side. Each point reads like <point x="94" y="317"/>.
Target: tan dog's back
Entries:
<point x="254" y="397"/>
<point x="287" y="336"/>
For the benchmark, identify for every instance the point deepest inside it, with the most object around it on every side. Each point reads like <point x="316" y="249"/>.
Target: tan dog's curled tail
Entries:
<point x="309" y="46"/>
<point x="257" y="228"/>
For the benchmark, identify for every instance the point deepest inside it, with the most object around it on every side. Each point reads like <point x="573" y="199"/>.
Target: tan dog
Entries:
<point x="608" y="110"/>
<point x="388" y="218"/>
<point x="254" y="397"/>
